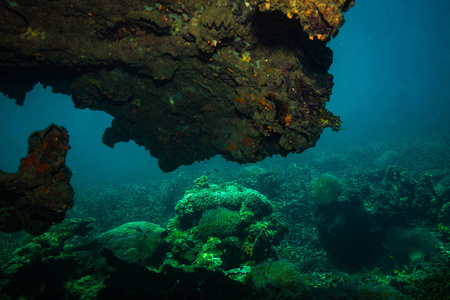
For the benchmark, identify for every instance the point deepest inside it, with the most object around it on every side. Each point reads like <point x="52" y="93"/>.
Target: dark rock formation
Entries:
<point x="131" y="280"/>
<point x="186" y="79"/>
<point x="40" y="193"/>
<point x="41" y="267"/>
<point x="382" y="226"/>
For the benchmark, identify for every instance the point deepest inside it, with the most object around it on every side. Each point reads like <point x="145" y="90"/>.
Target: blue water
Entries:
<point x="391" y="68"/>
<point x="392" y="78"/>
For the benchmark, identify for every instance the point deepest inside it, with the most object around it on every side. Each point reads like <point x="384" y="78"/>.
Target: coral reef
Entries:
<point x="133" y="281"/>
<point x="40" y="193"/>
<point x="326" y="189"/>
<point x="435" y="285"/>
<point x="412" y="198"/>
<point x="231" y="196"/>
<point x="186" y="79"/>
<point x="119" y="203"/>
<point x="219" y="222"/>
<point x="357" y="234"/>
<point x="224" y="226"/>
<point x="134" y="241"/>
<point x="47" y="261"/>
<point x="367" y="243"/>
<point x="278" y="279"/>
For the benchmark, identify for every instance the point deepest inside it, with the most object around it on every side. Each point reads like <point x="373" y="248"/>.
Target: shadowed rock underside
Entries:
<point x="186" y="79"/>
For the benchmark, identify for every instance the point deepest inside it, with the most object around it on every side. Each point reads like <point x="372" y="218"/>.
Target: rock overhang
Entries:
<point x="186" y="79"/>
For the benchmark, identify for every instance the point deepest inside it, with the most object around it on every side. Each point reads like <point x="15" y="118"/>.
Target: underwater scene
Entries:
<point x="230" y="149"/>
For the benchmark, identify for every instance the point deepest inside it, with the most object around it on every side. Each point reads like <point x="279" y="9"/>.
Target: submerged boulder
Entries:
<point x="134" y="241"/>
<point x="410" y="246"/>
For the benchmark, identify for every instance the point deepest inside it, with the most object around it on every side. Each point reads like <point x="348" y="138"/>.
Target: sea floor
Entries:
<point x="367" y="222"/>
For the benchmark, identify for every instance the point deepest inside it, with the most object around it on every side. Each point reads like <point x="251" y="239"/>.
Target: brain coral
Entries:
<point x="231" y="196"/>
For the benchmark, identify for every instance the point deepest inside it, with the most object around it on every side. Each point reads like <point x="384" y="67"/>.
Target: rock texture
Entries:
<point x="186" y="79"/>
<point x="40" y="193"/>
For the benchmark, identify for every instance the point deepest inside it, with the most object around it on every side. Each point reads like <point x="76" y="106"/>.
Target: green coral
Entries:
<point x="132" y="241"/>
<point x="280" y="279"/>
<point x="210" y="256"/>
<point x="219" y="222"/>
<point x="326" y="189"/>
<point x="208" y="260"/>
<point x="436" y="284"/>
<point x="84" y="288"/>
<point x="202" y="182"/>
<point x="443" y="232"/>
<point x="190" y="209"/>
<point x="49" y="245"/>
<point x="223" y="226"/>
<point x="182" y="244"/>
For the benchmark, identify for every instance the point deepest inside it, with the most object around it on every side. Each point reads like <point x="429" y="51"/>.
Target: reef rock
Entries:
<point x="45" y="262"/>
<point x="40" y="193"/>
<point x="223" y="227"/>
<point x="231" y="196"/>
<point x="186" y="79"/>
<point x="134" y="241"/>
